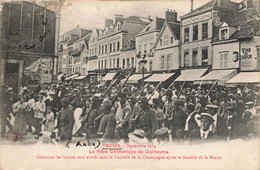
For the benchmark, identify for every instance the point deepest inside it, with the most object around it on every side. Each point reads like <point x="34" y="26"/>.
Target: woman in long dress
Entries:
<point x="20" y="117"/>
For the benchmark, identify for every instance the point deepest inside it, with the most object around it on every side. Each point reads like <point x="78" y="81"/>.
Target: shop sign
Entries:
<point x="198" y="18"/>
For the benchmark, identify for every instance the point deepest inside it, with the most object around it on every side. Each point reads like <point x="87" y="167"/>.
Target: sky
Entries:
<point x="92" y="14"/>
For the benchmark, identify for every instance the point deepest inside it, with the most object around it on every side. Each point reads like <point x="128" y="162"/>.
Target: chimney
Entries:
<point x="221" y="3"/>
<point x="108" y="22"/>
<point x="191" y="7"/>
<point x="170" y="16"/>
<point x="118" y="18"/>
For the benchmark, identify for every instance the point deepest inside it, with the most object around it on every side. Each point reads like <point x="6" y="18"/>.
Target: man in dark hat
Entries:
<point x="178" y="121"/>
<point x="168" y="107"/>
<point x="91" y="126"/>
<point x="145" y="119"/>
<point x="123" y="116"/>
<point x="158" y="112"/>
<point x="106" y="129"/>
<point x="203" y="134"/>
<point x="65" y="121"/>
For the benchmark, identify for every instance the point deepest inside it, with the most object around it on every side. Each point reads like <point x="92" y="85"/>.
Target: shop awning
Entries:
<point x="221" y="76"/>
<point x="59" y="76"/>
<point x="245" y="77"/>
<point x="80" y="77"/>
<point x="109" y="76"/>
<point x="71" y="77"/>
<point x="34" y="66"/>
<point x="135" y="78"/>
<point x="191" y="74"/>
<point x="158" y="77"/>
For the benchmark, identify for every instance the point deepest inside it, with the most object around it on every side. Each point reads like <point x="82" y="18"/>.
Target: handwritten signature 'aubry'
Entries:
<point x="87" y="143"/>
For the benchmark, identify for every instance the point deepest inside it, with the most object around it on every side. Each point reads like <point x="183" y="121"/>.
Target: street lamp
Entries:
<point x="143" y="62"/>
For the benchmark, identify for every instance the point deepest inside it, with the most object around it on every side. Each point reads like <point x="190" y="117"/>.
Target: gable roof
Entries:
<point x="156" y="24"/>
<point x="174" y="28"/>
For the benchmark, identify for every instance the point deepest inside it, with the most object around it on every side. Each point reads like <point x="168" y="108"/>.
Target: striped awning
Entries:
<point x="158" y="77"/>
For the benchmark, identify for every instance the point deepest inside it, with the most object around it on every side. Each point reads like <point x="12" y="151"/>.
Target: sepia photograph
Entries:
<point x="130" y="84"/>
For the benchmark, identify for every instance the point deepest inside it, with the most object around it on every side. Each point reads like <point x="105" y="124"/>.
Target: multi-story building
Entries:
<point x="73" y="50"/>
<point x="198" y="28"/>
<point x="167" y="45"/>
<point x="145" y="42"/>
<point x="29" y="42"/>
<point x="112" y="47"/>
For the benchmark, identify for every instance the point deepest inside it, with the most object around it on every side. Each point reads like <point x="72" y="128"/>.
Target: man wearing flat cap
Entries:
<point x="203" y="135"/>
<point x="123" y="115"/>
<point x="145" y="119"/>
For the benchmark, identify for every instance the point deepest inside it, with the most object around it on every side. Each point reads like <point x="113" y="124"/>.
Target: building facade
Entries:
<point x="167" y="45"/>
<point x="145" y="44"/>
<point x="28" y="35"/>
<point x="73" y="51"/>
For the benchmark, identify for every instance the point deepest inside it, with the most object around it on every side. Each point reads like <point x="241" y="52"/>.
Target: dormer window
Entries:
<point x="118" y="26"/>
<point x="223" y="34"/>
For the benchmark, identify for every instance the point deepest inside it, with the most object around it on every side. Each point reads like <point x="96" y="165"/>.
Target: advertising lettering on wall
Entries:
<point x="198" y="18"/>
<point x="246" y="59"/>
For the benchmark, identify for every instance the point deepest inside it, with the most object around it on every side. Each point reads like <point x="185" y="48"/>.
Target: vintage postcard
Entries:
<point x="130" y="84"/>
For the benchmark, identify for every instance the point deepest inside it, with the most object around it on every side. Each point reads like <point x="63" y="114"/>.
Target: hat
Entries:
<point x="10" y="89"/>
<point x="206" y="116"/>
<point x="168" y="93"/>
<point x="177" y="102"/>
<point x="156" y="101"/>
<point x="161" y="132"/>
<point x="41" y="92"/>
<point x="143" y="100"/>
<point x="138" y="136"/>
<point x="51" y="93"/>
<point x="124" y="92"/>
<point x="107" y="103"/>
<point x="211" y="106"/>
<point x="250" y="103"/>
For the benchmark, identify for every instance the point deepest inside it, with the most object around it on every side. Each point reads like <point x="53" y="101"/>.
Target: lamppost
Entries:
<point x="143" y="62"/>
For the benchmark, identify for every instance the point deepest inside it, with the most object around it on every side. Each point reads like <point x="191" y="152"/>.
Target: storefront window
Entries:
<point x="204" y="57"/>
<point x="195" y="58"/>
<point x="186" y="59"/>
<point x="169" y="59"/>
<point x="162" y="62"/>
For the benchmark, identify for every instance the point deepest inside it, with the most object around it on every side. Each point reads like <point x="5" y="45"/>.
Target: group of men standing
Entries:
<point x="189" y="115"/>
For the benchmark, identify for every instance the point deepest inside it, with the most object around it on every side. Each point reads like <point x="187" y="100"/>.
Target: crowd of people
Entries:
<point x="131" y="114"/>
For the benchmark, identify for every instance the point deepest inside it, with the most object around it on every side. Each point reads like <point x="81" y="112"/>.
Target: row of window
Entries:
<point x="165" y="40"/>
<point x="105" y="49"/>
<point x="145" y="48"/>
<point x="195" y="33"/>
<point x="195" y="58"/>
<point x="115" y="63"/>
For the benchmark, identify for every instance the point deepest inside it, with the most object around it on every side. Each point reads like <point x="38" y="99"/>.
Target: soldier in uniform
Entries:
<point x="106" y="130"/>
<point x="145" y="119"/>
<point x="158" y="113"/>
<point x="177" y="122"/>
<point x="65" y="121"/>
<point x="123" y="116"/>
<point x="168" y="107"/>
